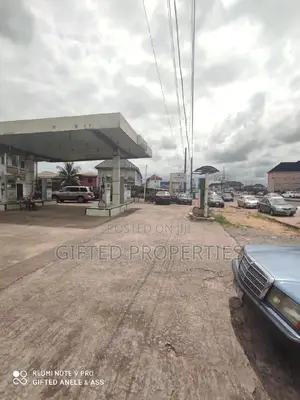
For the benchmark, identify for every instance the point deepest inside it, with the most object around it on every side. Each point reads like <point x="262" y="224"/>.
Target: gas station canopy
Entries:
<point x="78" y="138"/>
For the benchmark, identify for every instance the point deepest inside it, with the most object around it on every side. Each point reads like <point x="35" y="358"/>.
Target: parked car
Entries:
<point x="81" y="194"/>
<point x="247" y="201"/>
<point x="215" y="201"/>
<point x="289" y="195"/>
<point x="183" y="199"/>
<point x="274" y="290"/>
<point x="276" y="206"/>
<point x="268" y="195"/>
<point x="162" y="197"/>
<point x="227" y="197"/>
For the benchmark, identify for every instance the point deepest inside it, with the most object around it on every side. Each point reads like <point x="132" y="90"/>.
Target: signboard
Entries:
<point x="178" y="177"/>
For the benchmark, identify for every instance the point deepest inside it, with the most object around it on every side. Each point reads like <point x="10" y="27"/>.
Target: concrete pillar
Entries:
<point x="116" y="180"/>
<point x="206" y="197"/>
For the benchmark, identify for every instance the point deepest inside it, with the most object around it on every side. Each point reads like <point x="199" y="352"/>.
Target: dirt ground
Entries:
<point x="252" y="218"/>
<point x="141" y="307"/>
<point x="28" y="239"/>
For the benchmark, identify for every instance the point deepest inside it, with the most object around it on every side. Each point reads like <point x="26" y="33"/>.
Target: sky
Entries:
<point x="77" y="57"/>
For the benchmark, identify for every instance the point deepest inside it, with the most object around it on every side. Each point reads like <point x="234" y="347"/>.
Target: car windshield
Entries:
<point x="162" y="194"/>
<point x="278" y="201"/>
<point x="250" y="198"/>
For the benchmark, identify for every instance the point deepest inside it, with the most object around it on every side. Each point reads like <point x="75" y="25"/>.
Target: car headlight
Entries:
<point x="241" y="253"/>
<point x="285" y="306"/>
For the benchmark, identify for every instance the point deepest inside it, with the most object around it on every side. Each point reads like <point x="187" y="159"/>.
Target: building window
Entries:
<point x="22" y="164"/>
<point x="90" y="180"/>
<point x="2" y="159"/>
<point x="14" y="161"/>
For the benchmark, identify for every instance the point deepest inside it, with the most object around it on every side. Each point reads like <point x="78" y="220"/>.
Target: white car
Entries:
<point x="289" y="195"/>
<point x="247" y="201"/>
<point x="272" y="195"/>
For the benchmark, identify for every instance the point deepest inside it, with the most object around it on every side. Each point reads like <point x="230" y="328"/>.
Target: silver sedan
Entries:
<point x="247" y="201"/>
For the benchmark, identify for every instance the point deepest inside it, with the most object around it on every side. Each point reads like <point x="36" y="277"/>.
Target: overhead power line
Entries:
<point x="193" y="34"/>
<point x="173" y="52"/>
<point x="157" y="68"/>
<point x="181" y="78"/>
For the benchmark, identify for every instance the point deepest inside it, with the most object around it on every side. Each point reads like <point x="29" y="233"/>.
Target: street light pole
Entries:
<point x="191" y="182"/>
<point x="185" y="160"/>
<point x="145" y="184"/>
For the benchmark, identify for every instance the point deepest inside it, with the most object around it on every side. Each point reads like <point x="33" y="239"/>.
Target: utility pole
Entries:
<point x="185" y="152"/>
<point x="191" y="175"/>
<point x="145" y="184"/>
<point x="193" y="40"/>
<point x="223" y="179"/>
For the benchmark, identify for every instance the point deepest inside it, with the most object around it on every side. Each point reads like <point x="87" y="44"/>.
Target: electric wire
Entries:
<point x="193" y="35"/>
<point x="181" y="77"/>
<point x="157" y="68"/>
<point x="173" y="52"/>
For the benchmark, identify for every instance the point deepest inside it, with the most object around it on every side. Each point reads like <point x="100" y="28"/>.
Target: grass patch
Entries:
<point x="223" y="220"/>
<point x="261" y="216"/>
<point x="275" y="221"/>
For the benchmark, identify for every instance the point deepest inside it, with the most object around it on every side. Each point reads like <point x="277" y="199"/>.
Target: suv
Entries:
<point x="81" y="194"/>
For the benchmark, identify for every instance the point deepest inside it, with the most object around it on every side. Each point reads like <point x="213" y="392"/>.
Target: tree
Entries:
<point x="69" y="174"/>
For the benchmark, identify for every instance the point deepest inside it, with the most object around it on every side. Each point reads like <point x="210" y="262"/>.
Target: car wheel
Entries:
<point x="292" y="215"/>
<point x="80" y="199"/>
<point x="259" y="209"/>
<point x="272" y="212"/>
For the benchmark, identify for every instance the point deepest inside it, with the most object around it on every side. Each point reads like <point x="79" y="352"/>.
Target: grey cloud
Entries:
<point x="276" y="17"/>
<point x="163" y="143"/>
<point x="16" y="21"/>
<point x="148" y="70"/>
<point x="139" y="101"/>
<point x="295" y="83"/>
<point x="168" y="143"/>
<point x="156" y="157"/>
<point x="174" y="163"/>
<point x="287" y="130"/>
<point x="235" y="153"/>
<point x="161" y="33"/>
<point x="244" y="130"/>
<point x="127" y="14"/>
<point x="224" y="73"/>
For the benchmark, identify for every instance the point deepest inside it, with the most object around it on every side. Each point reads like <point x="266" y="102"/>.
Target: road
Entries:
<point x="296" y="203"/>
<point x="142" y="308"/>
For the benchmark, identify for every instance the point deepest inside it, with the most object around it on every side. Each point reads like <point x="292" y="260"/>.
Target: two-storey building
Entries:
<point x="130" y="172"/>
<point x="17" y="177"/>
<point x="284" y="177"/>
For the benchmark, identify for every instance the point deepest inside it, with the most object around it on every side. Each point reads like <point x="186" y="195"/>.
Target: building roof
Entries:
<point x="74" y="138"/>
<point x="88" y="174"/>
<point x="154" y="178"/>
<point x="287" y="167"/>
<point x="47" y="174"/>
<point x="124" y="164"/>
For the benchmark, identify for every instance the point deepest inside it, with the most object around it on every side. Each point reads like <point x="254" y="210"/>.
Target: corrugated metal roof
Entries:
<point x="155" y="178"/>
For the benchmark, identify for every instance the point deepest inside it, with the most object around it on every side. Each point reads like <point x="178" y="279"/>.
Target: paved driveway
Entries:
<point x="140" y="309"/>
